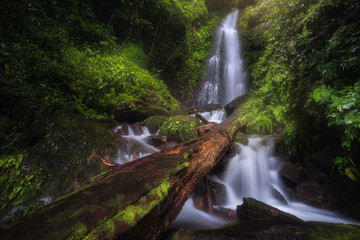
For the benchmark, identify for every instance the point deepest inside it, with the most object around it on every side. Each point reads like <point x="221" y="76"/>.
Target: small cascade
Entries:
<point x="226" y="75"/>
<point x="216" y="116"/>
<point x="135" y="144"/>
<point x="253" y="172"/>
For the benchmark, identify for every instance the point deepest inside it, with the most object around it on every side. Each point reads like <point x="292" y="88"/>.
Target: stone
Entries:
<point x="234" y="104"/>
<point x="154" y="123"/>
<point x="126" y="113"/>
<point x="253" y="209"/>
<point x="314" y="193"/>
<point x="206" y="108"/>
<point x="203" y="129"/>
<point x="137" y="128"/>
<point x="290" y="173"/>
<point x="279" y="196"/>
<point x="156" y="140"/>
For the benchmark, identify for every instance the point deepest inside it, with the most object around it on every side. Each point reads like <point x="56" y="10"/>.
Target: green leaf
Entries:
<point x="349" y="173"/>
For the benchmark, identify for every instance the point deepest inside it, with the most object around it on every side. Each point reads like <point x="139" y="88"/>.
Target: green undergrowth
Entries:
<point x="180" y="128"/>
<point x="303" y="60"/>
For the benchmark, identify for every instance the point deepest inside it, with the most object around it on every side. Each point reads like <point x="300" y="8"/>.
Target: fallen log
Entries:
<point x="138" y="200"/>
<point x="202" y="119"/>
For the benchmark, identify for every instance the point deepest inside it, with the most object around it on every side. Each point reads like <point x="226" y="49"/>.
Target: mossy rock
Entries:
<point x="180" y="110"/>
<point x="208" y="108"/>
<point x="63" y="154"/>
<point x="180" y="128"/>
<point x="137" y="112"/>
<point x="154" y="123"/>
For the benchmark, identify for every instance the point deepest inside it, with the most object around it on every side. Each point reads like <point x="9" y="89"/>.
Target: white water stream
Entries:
<point x="254" y="171"/>
<point x="135" y="145"/>
<point x="226" y="75"/>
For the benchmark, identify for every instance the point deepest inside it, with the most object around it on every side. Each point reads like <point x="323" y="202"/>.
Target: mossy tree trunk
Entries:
<point x="137" y="201"/>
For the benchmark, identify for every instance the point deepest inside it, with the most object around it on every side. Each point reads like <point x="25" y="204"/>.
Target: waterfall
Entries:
<point x="226" y="76"/>
<point x="253" y="171"/>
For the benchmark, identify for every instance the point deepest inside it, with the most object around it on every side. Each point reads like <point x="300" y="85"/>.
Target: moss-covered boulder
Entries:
<point x="180" y="128"/>
<point x="62" y="154"/>
<point x="154" y="123"/>
<point x="135" y="112"/>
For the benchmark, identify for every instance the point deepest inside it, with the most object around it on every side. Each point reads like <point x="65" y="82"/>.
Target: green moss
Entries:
<point x="327" y="231"/>
<point x="132" y="213"/>
<point x="66" y="215"/>
<point x="78" y="231"/>
<point x="180" y="128"/>
<point x="117" y="203"/>
<point x="154" y="123"/>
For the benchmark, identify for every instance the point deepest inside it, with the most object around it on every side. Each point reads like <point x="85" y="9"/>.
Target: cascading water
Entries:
<point x="135" y="145"/>
<point x="226" y="76"/>
<point x="253" y="171"/>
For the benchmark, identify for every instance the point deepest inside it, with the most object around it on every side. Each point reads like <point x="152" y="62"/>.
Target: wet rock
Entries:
<point x="156" y="140"/>
<point x="290" y="173"/>
<point x="207" y="108"/>
<point x="234" y="104"/>
<point x="253" y="209"/>
<point x="154" y="123"/>
<point x="203" y="129"/>
<point x="279" y="196"/>
<point x="124" y="130"/>
<point x="202" y="196"/>
<point x="126" y="113"/>
<point x="137" y="128"/>
<point x="241" y="138"/>
<point x="314" y="193"/>
<point x="168" y="145"/>
<point x="226" y="213"/>
<point x="217" y="192"/>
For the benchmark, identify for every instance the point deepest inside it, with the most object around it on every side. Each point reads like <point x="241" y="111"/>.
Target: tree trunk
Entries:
<point x="138" y="200"/>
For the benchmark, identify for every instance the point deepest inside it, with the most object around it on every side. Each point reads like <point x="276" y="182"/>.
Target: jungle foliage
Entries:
<point x="304" y="60"/>
<point x="87" y="57"/>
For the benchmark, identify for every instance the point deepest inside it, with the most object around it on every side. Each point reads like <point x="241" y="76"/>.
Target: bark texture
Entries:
<point x="139" y="200"/>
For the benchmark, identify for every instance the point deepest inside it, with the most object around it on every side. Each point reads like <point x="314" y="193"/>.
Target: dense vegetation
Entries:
<point x="65" y="62"/>
<point x="304" y="61"/>
<point x="66" y="65"/>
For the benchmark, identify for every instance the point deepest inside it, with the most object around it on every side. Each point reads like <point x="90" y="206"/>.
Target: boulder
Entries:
<point x="156" y="140"/>
<point x="241" y="138"/>
<point x="234" y="104"/>
<point x="253" y="209"/>
<point x="154" y="123"/>
<point x="314" y="193"/>
<point x="226" y="213"/>
<point x="63" y="155"/>
<point x="180" y="128"/>
<point x="206" y="108"/>
<point x="124" y="130"/>
<point x="137" y="128"/>
<point x="217" y="192"/>
<point x="202" y="196"/>
<point x="290" y="173"/>
<point x="126" y="113"/>
<point x="279" y="196"/>
<point x="203" y="129"/>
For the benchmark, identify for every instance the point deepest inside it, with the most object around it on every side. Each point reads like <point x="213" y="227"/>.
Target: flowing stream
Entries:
<point x="253" y="170"/>
<point x="226" y="75"/>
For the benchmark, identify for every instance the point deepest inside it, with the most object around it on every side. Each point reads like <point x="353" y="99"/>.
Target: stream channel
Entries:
<point x="252" y="170"/>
